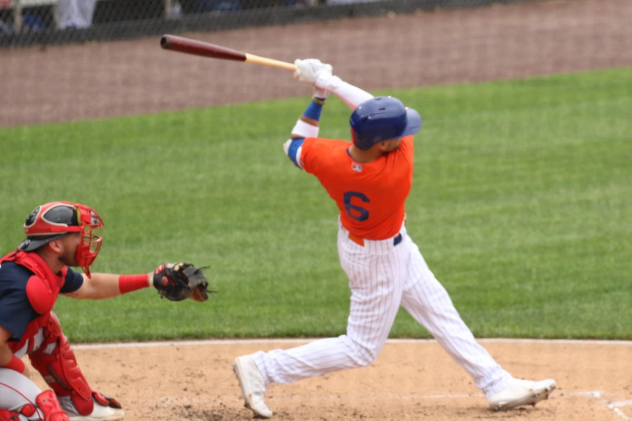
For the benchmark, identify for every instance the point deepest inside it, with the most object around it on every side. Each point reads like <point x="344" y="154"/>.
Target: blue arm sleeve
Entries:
<point x="293" y="151"/>
<point x="314" y="109"/>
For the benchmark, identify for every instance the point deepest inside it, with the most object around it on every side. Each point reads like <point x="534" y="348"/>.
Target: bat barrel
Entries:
<point x="199" y="48"/>
<point x="205" y="49"/>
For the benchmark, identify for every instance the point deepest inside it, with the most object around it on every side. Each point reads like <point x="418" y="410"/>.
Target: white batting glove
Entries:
<point x="311" y="69"/>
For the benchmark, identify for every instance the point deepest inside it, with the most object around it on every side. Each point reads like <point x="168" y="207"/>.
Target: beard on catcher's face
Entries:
<point x="69" y="258"/>
<point x="69" y="253"/>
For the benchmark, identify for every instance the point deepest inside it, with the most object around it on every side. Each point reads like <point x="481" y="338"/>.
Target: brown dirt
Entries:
<point x="409" y="381"/>
<point x="100" y="80"/>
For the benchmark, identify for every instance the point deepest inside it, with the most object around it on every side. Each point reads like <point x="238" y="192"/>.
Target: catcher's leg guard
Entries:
<point x="6" y="415"/>
<point x="57" y="364"/>
<point x="47" y="403"/>
<point x="106" y="400"/>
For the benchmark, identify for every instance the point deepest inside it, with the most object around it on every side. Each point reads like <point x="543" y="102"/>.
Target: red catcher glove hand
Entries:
<point x="179" y="281"/>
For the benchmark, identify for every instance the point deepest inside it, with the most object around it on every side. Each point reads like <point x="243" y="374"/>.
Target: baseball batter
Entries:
<point x="370" y="179"/>
<point x="59" y="234"/>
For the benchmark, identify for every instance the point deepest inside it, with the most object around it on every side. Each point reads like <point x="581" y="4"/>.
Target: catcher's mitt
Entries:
<point x="179" y="281"/>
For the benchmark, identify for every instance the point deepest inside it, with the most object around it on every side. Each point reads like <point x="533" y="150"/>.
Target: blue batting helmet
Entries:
<point x="382" y="118"/>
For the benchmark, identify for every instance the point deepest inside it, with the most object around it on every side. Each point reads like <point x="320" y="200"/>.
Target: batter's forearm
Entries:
<point x="349" y="94"/>
<point x="307" y="124"/>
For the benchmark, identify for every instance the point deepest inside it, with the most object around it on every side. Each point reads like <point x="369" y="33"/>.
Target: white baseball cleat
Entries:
<point x="520" y="393"/>
<point x="99" y="413"/>
<point x="253" y="385"/>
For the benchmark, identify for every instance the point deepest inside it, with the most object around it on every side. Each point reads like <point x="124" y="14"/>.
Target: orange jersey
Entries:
<point x="370" y="196"/>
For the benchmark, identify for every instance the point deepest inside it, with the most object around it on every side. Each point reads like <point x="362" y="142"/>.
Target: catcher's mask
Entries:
<point x="382" y="118"/>
<point x="58" y="219"/>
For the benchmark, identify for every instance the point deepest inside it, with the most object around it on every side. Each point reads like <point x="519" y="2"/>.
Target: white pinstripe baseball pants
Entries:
<point x="383" y="276"/>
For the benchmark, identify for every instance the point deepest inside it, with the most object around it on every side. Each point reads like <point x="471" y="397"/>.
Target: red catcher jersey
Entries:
<point x="370" y="196"/>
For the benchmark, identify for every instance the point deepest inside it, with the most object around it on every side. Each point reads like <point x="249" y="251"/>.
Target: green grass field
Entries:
<point x="521" y="205"/>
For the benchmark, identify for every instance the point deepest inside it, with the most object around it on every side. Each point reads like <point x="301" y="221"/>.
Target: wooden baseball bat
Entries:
<point x="205" y="49"/>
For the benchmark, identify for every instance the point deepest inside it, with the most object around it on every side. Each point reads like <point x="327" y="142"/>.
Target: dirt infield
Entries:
<point x="410" y="380"/>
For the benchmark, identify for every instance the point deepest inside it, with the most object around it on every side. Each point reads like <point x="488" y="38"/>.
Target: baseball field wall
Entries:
<point x="49" y="22"/>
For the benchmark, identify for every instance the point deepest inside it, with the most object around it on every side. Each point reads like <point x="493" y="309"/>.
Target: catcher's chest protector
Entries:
<point x="59" y="367"/>
<point x="42" y="291"/>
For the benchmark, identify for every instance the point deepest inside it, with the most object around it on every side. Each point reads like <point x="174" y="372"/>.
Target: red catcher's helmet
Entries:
<point x="57" y="219"/>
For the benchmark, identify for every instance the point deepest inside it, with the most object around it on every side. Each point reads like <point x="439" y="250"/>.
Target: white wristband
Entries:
<point x="304" y="129"/>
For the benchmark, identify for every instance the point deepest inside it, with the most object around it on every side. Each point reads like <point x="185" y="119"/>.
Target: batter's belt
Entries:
<point x="360" y="241"/>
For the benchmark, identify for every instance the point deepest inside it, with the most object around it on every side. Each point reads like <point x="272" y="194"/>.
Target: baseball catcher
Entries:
<point x="60" y="235"/>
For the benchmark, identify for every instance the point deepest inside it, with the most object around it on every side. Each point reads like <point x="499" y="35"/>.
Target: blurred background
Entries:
<point x="116" y="19"/>
<point x="68" y="60"/>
